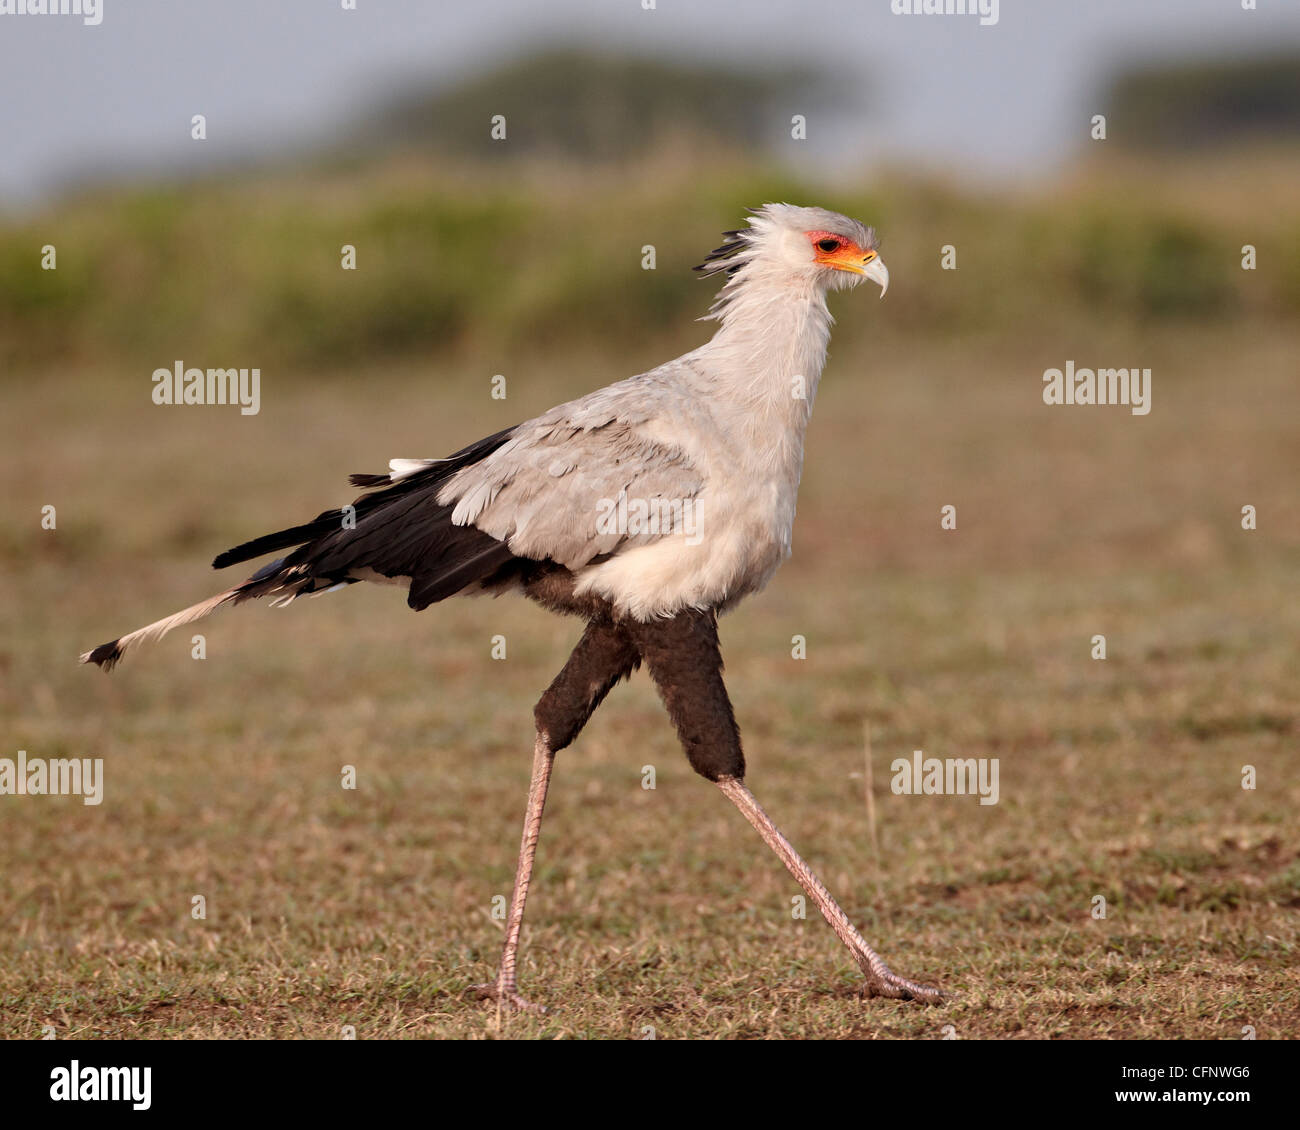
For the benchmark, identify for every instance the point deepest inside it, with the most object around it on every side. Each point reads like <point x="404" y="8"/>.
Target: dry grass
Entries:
<point x="661" y="908"/>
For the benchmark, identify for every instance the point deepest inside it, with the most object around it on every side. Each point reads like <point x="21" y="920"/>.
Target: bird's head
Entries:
<point x="830" y="249"/>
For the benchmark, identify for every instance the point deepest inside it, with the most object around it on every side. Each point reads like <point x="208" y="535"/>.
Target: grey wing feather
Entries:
<point x="549" y="490"/>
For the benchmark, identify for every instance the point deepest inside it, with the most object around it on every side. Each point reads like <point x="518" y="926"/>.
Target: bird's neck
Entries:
<point x="766" y="359"/>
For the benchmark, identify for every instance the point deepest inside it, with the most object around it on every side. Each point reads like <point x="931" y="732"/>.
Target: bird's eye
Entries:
<point x="828" y="245"/>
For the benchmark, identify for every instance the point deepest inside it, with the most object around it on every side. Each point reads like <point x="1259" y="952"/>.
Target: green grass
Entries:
<point x="488" y="265"/>
<point x="661" y="909"/>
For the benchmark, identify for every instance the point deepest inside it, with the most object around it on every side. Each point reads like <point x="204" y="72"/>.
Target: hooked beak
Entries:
<point x="877" y="272"/>
<point x="858" y="261"/>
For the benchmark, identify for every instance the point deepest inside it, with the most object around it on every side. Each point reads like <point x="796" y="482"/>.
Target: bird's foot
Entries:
<point x="506" y="996"/>
<point x="887" y="984"/>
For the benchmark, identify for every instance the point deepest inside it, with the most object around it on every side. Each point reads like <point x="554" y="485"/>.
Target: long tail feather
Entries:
<point x="398" y="532"/>
<point x="106" y="655"/>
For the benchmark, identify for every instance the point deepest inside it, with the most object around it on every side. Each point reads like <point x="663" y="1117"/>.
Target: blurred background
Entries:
<point x="628" y="127"/>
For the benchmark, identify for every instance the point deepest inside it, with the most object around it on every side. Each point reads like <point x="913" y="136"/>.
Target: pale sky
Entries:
<point x="1004" y="101"/>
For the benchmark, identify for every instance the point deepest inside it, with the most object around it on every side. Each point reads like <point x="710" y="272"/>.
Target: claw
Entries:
<point x="901" y="989"/>
<point x="505" y="997"/>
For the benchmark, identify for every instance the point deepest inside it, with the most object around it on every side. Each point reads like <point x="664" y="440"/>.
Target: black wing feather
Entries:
<point x="331" y="521"/>
<point x="399" y="531"/>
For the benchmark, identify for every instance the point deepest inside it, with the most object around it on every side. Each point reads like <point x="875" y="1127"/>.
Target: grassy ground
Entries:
<point x="661" y="909"/>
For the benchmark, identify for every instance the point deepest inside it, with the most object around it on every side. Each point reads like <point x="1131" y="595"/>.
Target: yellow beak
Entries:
<point x="853" y="259"/>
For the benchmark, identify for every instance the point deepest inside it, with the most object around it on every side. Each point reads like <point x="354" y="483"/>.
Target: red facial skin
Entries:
<point x="847" y="255"/>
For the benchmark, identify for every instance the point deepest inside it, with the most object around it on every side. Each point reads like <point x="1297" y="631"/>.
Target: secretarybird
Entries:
<point x="646" y="508"/>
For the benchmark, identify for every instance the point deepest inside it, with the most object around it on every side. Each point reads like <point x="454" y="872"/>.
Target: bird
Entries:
<point x="646" y="508"/>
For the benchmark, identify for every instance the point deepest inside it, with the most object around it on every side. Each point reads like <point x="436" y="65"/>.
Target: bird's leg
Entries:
<point x="602" y="657"/>
<point x="505" y="990"/>
<point x="881" y="981"/>
<point x="685" y="662"/>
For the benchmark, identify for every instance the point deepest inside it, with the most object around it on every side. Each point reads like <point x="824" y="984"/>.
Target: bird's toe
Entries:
<point x="901" y="989"/>
<point x="505" y="997"/>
